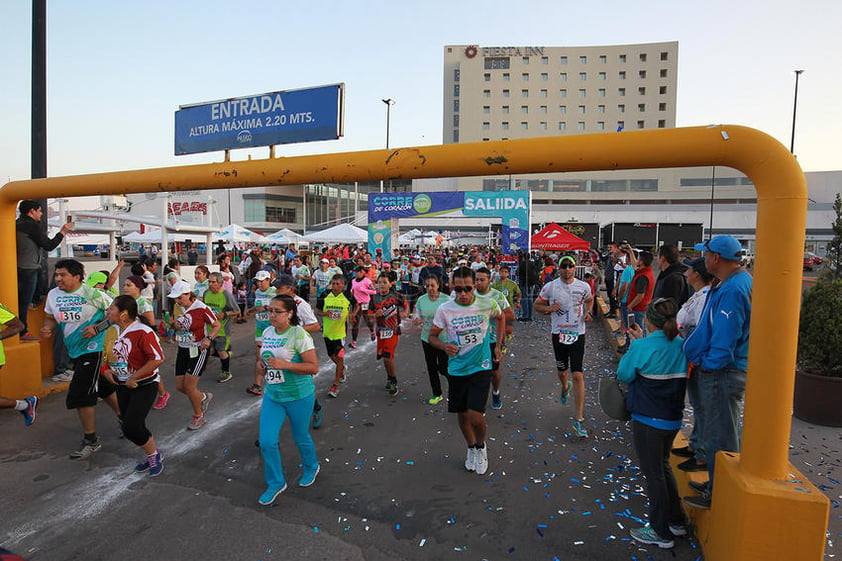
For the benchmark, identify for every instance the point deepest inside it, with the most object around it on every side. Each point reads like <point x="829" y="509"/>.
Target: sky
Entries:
<point x="117" y="71"/>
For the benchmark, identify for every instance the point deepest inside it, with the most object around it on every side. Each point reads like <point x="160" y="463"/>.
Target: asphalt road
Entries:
<point x="392" y="484"/>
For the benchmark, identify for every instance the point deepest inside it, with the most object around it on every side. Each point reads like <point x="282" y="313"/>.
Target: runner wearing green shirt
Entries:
<point x="511" y="291"/>
<point x="334" y="310"/>
<point x="484" y="291"/>
<point x="223" y="304"/>
<point x="262" y="297"/>
<point x="11" y="327"/>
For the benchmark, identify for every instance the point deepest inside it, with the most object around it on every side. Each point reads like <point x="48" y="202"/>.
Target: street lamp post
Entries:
<point x="389" y="103"/>
<point x="794" y="109"/>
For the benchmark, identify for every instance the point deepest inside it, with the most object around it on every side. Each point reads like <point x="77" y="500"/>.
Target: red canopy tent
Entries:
<point x="555" y="237"/>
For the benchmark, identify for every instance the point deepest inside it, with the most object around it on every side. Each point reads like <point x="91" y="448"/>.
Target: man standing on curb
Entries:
<point x="719" y="345"/>
<point x="568" y="300"/>
<point x="466" y="321"/>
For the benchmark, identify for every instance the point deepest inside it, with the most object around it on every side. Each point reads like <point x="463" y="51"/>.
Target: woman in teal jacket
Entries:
<point x="655" y="369"/>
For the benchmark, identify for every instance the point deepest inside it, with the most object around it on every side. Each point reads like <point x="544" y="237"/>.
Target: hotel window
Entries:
<point x="642" y="57"/>
<point x="524" y="126"/>
<point x="524" y="93"/>
<point x="496" y="63"/>
<point x="456" y="105"/>
<point x="455" y="90"/>
<point x="581" y="110"/>
<point x="506" y="76"/>
<point x="456" y="120"/>
<point x="642" y="74"/>
<point x="583" y="60"/>
<point x="603" y="59"/>
<point x="583" y="76"/>
<point x="486" y="109"/>
<point x="562" y="125"/>
<point x="580" y="125"/>
<point x="545" y="60"/>
<point x="525" y="60"/>
<point x="601" y="92"/>
<point x="600" y="109"/>
<point x="543" y="109"/>
<point x="641" y="90"/>
<point x="562" y="109"/>
<point x="662" y="124"/>
<point x="563" y="76"/>
<point x="456" y="74"/>
<point x="663" y="72"/>
<point x="664" y="56"/>
<point x="525" y="76"/>
<point x="621" y="92"/>
<point x="662" y="107"/>
<point x="544" y="93"/>
<point x="505" y="109"/>
<point x="583" y="93"/>
<point x="662" y="90"/>
<point x="621" y="125"/>
<point x="640" y="124"/>
<point x="602" y="76"/>
<point x="487" y="77"/>
<point x="563" y="60"/>
<point x="505" y="93"/>
<point x="456" y="135"/>
<point x="562" y="93"/>
<point x="486" y="126"/>
<point x="543" y="125"/>
<point x="486" y="93"/>
<point x="505" y="125"/>
<point x="544" y="76"/>
<point x="486" y="139"/>
<point x="600" y="125"/>
<point x="641" y="107"/>
<point x="622" y="59"/>
<point x="622" y="74"/>
<point x="621" y="108"/>
<point x="524" y="109"/>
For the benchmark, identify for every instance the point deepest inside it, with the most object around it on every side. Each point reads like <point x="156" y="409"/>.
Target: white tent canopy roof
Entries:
<point x="237" y="234"/>
<point x="341" y="233"/>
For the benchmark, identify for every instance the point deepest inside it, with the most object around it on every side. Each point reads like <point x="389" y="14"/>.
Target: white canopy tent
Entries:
<point x="341" y="233"/>
<point x="235" y="233"/>
<point x="291" y="236"/>
<point x="155" y="236"/>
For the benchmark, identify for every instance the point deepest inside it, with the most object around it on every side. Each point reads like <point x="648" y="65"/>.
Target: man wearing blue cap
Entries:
<point x="719" y="345"/>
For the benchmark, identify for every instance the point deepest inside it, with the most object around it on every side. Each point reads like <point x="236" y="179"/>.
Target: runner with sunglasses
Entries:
<point x="568" y="301"/>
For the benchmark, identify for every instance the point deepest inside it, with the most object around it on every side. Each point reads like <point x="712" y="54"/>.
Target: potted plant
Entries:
<point x="818" y="377"/>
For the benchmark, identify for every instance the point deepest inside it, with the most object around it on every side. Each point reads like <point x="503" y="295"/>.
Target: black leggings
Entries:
<point x="134" y="407"/>
<point x="436" y="366"/>
<point x="355" y="325"/>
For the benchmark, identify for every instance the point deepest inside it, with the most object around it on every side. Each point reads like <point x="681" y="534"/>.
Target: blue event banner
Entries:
<point x="261" y="120"/>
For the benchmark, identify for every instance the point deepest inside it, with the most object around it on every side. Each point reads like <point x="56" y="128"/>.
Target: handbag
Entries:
<point x="612" y="399"/>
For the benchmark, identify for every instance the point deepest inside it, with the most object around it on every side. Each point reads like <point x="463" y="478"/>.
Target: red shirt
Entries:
<point x="133" y="348"/>
<point x="191" y="324"/>
<point x="643" y="272"/>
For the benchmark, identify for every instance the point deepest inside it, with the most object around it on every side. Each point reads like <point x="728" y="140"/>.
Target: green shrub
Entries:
<point x="820" y="329"/>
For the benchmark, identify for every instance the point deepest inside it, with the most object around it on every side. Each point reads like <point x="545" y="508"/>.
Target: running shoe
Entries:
<point x="353" y="345"/>
<point x="63" y="377"/>
<point x="29" y="414"/>
<point x="224" y="376"/>
<point x="28" y="337"/>
<point x="86" y="449"/>
<point x="196" y="423"/>
<point x="344" y="376"/>
<point x="333" y="391"/>
<point x="481" y="460"/>
<point x="471" y="459"/>
<point x="207" y="398"/>
<point x="392" y="386"/>
<point x="678" y="530"/>
<point x="161" y="401"/>
<point x="496" y="400"/>
<point x="373" y="337"/>
<point x="435" y="400"/>
<point x="147" y="463"/>
<point x="650" y="537"/>
<point x="254" y="389"/>
<point x="565" y="393"/>
<point x="309" y="477"/>
<point x="579" y="428"/>
<point x="155" y="464"/>
<point x="268" y="497"/>
<point x="317" y="418"/>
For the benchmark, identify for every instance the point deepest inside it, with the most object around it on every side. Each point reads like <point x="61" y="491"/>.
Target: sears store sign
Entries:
<point x="283" y="117"/>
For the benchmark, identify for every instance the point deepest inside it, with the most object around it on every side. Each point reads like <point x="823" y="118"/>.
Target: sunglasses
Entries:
<point x="567" y="266"/>
<point x="277" y="311"/>
<point x="461" y="289"/>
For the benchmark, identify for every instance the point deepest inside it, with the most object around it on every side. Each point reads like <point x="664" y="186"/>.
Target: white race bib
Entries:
<point x="184" y="337"/>
<point x="466" y="338"/>
<point x="386" y="332"/>
<point x="262" y="316"/>
<point x="364" y="306"/>
<point x="274" y="376"/>
<point x="121" y="371"/>
<point x="567" y="337"/>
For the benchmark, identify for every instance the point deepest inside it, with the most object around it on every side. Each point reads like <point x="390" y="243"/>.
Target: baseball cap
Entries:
<point x="284" y="280"/>
<point x="567" y="258"/>
<point x="179" y="288"/>
<point x="96" y="278"/>
<point x="726" y="246"/>
<point x="262" y="275"/>
<point x="462" y="262"/>
<point x="697" y="265"/>
<point x="323" y="260"/>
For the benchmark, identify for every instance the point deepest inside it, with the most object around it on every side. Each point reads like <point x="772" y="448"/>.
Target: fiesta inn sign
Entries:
<point x="512" y="51"/>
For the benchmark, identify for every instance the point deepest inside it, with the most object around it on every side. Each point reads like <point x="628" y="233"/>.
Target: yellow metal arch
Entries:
<point x="762" y="508"/>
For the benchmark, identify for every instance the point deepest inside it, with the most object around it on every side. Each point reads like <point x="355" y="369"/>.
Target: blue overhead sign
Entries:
<point x="261" y="120"/>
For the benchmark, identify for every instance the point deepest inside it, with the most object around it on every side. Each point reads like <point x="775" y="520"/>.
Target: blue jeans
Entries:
<point x="721" y="391"/>
<point x="272" y="417"/>
<point x="696" y="444"/>
<point x="27" y="284"/>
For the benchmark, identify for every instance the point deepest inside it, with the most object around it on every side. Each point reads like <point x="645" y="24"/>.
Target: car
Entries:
<point x="809" y="262"/>
<point x="747" y="259"/>
<point x="816" y="259"/>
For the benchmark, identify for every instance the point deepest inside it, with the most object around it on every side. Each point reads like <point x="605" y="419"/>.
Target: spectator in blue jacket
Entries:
<point x="719" y="345"/>
<point x="656" y="370"/>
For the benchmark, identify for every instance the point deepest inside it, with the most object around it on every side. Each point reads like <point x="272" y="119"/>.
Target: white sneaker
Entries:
<point x="481" y="459"/>
<point x="64" y="376"/>
<point x="470" y="461"/>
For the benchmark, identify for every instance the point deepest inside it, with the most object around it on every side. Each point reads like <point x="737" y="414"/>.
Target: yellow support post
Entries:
<point x="762" y="507"/>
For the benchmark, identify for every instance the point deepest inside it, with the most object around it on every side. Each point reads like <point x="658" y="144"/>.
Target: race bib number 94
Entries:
<point x="274" y="376"/>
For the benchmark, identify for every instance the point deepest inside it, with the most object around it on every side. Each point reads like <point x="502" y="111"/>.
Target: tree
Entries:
<point x="834" y="248"/>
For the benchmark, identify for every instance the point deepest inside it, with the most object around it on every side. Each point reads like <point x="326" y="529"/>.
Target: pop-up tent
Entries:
<point x="237" y="234"/>
<point x="555" y="237"/>
<point x="341" y="233"/>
